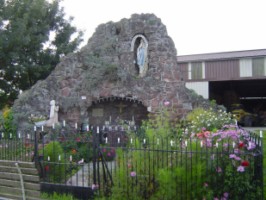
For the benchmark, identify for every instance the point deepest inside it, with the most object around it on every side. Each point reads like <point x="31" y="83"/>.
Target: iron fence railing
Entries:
<point x="18" y="147"/>
<point x="193" y="168"/>
<point x="117" y="161"/>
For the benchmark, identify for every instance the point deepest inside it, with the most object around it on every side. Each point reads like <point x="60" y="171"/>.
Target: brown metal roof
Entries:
<point x="221" y="55"/>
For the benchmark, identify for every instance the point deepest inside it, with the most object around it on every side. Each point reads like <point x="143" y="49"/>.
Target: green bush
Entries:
<point x="161" y="125"/>
<point x="184" y="181"/>
<point x="54" y="162"/>
<point x="79" y="146"/>
<point x="7" y="122"/>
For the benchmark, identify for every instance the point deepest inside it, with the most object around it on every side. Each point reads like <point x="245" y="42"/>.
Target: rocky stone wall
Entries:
<point x="106" y="67"/>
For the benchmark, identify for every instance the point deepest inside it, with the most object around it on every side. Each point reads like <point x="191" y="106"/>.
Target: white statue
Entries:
<point x="141" y="51"/>
<point x="53" y="114"/>
<point x="142" y="57"/>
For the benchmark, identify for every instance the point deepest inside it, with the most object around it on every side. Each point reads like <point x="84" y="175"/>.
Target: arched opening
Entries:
<point x="117" y="111"/>
<point x="139" y="46"/>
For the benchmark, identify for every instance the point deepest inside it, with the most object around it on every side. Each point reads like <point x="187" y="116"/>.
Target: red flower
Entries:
<point x="241" y="144"/>
<point x="245" y="163"/>
<point x="46" y="168"/>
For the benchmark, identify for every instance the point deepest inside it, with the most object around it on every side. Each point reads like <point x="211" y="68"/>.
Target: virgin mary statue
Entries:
<point x="141" y="51"/>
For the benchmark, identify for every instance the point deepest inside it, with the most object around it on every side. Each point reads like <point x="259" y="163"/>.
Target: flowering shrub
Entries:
<point x="108" y="153"/>
<point x="210" y="161"/>
<point x="77" y="146"/>
<point x="210" y="119"/>
<point x="234" y="166"/>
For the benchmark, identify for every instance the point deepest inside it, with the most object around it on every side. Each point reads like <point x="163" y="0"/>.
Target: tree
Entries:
<point x="34" y="34"/>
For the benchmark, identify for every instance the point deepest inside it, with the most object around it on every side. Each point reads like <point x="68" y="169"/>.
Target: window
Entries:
<point x="196" y="70"/>
<point x="245" y="67"/>
<point x="258" y="66"/>
<point x="252" y="67"/>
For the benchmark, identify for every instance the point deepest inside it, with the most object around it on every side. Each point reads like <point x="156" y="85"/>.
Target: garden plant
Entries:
<point x="186" y="160"/>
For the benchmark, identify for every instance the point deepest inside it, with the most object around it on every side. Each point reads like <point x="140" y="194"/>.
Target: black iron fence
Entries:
<point x="19" y="147"/>
<point x="193" y="168"/>
<point x="127" y="163"/>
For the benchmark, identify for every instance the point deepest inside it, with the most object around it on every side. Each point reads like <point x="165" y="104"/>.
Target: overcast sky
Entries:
<point x="196" y="26"/>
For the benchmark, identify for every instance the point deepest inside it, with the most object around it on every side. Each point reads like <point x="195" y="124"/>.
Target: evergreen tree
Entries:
<point x="34" y="34"/>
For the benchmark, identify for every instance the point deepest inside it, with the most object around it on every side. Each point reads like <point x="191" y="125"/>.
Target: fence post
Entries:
<point x="35" y="156"/>
<point x="94" y="159"/>
<point x="262" y="181"/>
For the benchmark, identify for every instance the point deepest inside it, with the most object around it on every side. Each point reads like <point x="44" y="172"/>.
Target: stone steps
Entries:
<point x="10" y="183"/>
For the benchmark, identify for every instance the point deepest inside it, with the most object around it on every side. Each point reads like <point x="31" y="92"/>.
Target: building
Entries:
<point x="237" y="77"/>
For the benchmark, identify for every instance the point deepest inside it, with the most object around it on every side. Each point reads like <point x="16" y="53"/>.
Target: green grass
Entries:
<point x="56" y="196"/>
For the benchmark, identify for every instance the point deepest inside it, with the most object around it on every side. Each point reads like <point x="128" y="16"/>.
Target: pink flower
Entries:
<point x="237" y="158"/>
<point x="251" y="146"/>
<point x="203" y="134"/>
<point x="219" y="169"/>
<point x="166" y="103"/>
<point x="133" y="174"/>
<point x="232" y="156"/>
<point x="241" y="169"/>
<point x="226" y="194"/>
<point x="207" y="133"/>
<point x="225" y="145"/>
<point x="236" y="151"/>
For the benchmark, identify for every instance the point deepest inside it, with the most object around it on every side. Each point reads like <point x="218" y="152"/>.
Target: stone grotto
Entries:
<point x="127" y="70"/>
